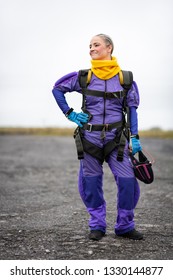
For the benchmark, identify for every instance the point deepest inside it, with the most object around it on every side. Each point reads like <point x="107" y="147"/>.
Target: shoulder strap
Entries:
<point x="84" y="77"/>
<point x="126" y="79"/>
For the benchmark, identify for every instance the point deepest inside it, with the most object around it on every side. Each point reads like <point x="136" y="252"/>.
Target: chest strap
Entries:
<point x="97" y="93"/>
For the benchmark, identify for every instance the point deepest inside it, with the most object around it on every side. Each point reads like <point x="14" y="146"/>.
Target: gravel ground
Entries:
<point x="42" y="216"/>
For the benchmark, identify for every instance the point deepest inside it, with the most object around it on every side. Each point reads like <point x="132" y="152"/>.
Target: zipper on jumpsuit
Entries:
<point x="103" y="134"/>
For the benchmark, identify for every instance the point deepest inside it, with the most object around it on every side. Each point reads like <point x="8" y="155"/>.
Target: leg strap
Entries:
<point x="121" y="147"/>
<point x="83" y="145"/>
<point x="93" y="150"/>
<point x="120" y="142"/>
<point x="78" y="142"/>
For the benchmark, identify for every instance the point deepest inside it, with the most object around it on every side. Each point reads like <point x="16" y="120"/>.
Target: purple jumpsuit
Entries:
<point x="90" y="181"/>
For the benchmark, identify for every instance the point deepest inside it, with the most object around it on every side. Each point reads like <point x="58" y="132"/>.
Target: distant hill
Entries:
<point x="152" y="133"/>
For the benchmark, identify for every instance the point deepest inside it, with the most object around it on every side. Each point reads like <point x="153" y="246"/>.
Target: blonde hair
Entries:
<point x="107" y="40"/>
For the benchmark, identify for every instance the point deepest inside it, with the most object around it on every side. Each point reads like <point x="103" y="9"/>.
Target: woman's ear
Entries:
<point x="110" y="49"/>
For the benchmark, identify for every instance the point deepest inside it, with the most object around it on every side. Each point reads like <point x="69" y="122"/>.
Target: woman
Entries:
<point x="105" y="112"/>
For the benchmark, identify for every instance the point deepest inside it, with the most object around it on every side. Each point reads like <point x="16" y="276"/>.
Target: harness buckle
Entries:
<point x="121" y="93"/>
<point x="89" y="127"/>
<point x="106" y="127"/>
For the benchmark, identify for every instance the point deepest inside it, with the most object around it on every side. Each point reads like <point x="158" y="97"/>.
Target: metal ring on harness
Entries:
<point x="89" y="127"/>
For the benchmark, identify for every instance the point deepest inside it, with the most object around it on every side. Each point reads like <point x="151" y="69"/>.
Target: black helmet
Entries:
<point x="142" y="168"/>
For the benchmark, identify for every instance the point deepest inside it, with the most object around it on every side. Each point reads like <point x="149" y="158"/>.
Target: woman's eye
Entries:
<point x="94" y="45"/>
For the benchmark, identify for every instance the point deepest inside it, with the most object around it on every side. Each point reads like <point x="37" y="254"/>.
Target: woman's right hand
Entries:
<point x="78" y="118"/>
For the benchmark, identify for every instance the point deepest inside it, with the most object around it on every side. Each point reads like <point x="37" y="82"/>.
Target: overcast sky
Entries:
<point x="42" y="40"/>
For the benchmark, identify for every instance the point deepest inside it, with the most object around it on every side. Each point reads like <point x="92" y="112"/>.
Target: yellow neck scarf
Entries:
<point x="105" y="69"/>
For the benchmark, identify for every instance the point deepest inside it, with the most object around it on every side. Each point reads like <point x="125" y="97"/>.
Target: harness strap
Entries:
<point x="83" y="78"/>
<point x="121" y="147"/>
<point x="93" y="150"/>
<point x="78" y="142"/>
<point x="99" y="127"/>
<point x="101" y="154"/>
<point x="126" y="79"/>
<point x="119" y="141"/>
<point x="83" y="145"/>
<point x="97" y="93"/>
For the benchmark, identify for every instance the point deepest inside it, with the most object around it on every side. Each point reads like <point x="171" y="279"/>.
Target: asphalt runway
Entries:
<point x="42" y="216"/>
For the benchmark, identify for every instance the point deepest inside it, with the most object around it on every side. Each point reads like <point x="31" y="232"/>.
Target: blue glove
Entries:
<point x="136" y="145"/>
<point x="78" y="118"/>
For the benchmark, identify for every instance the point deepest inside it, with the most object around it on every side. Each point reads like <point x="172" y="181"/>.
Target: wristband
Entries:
<point x="68" y="112"/>
<point x="135" y="136"/>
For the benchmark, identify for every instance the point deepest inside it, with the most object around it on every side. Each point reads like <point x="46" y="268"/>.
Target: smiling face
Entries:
<point x="99" y="50"/>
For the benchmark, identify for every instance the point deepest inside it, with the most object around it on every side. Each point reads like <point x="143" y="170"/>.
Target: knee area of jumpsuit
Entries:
<point x="126" y="193"/>
<point x="92" y="189"/>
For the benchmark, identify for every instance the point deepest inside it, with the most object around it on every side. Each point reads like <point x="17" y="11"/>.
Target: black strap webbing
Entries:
<point x="127" y="79"/>
<point x="118" y="142"/>
<point x="97" y="93"/>
<point x="82" y="76"/>
<point x="121" y="147"/>
<point x="101" y="154"/>
<point x="78" y="142"/>
<point x="99" y="127"/>
<point x="89" y="147"/>
<point x="83" y="145"/>
<point x="93" y="150"/>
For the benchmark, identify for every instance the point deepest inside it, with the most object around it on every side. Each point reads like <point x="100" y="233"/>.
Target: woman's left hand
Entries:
<point x="136" y="145"/>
